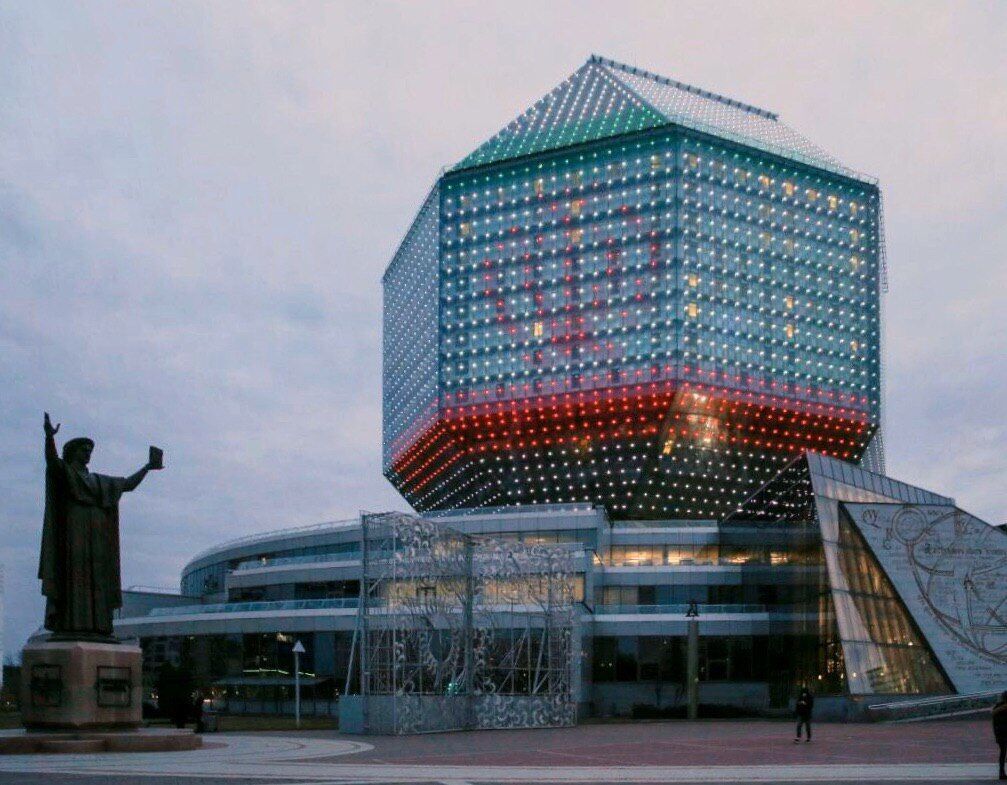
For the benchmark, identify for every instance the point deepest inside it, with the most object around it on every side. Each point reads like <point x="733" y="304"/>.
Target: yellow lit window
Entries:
<point x="790" y="330"/>
<point x="788" y="188"/>
<point x="465" y="228"/>
<point x="537" y="329"/>
<point x="765" y="238"/>
<point x="576" y="206"/>
<point x="854" y="235"/>
<point x="655" y="162"/>
<point x="789" y="300"/>
<point x="576" y="235"/>
<point x="854" y="346"/>
<point x="854" y="209"/>
<point x="833" y="202"/>
<point x="855" y="263"/>
<point x="741" y="175"/>
<point x="539" y="186"/>
<point x="812" y="194"/>
<point x="691" y="161"/>
<point x="693" y="310"/>
<point x="764" y="180"/>
<point x="693" y="280"/>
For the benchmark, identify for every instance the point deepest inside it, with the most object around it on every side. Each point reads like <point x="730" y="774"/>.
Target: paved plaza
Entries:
<point x="750" y="751"/>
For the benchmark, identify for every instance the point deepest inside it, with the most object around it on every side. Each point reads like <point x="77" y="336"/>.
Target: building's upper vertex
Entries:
<point x="604" y="98"/>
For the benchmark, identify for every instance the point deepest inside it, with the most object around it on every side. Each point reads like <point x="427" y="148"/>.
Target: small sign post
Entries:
<point x="298" y="651"/>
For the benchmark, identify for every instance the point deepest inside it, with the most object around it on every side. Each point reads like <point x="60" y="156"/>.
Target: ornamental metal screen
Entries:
<point x="463" y="632"/>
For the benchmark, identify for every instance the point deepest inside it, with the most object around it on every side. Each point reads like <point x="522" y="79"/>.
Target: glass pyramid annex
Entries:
<point x="914" y="589"/>
<point x="638" y="294"/>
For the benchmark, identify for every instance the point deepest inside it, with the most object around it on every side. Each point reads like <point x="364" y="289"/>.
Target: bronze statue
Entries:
<point x="79" y="565"/>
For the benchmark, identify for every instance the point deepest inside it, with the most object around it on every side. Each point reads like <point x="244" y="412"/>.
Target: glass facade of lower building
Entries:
<point x="801" y="586"/>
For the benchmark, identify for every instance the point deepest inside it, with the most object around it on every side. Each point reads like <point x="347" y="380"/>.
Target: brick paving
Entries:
<point x="742" y="742"/>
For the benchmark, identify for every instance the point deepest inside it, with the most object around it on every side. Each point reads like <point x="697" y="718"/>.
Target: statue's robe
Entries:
<point x="79" y="563"/>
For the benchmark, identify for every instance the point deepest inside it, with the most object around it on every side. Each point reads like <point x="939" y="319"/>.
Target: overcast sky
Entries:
<point x="197" y="202"/>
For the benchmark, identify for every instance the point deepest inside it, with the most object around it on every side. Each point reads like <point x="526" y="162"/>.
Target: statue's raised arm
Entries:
<point x="50" y="442"/>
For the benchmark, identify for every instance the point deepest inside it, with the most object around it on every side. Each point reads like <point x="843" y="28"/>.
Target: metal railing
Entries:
<point x="317" y="558"/>
<point x="252" y="538"/>
<point x="934" y="707"/>
<point x="680" y="608"/>
<point x="256" y="606"/>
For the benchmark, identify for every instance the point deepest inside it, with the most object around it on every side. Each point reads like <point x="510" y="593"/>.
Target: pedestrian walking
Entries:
<point x="1000" y="730"/>
<point x="805" y="703"/>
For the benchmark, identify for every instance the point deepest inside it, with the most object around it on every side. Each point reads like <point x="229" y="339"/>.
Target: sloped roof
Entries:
<point x="604" y="98"/>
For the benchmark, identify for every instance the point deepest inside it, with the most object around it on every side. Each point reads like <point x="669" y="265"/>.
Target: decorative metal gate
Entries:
<point x="461" y="632"/>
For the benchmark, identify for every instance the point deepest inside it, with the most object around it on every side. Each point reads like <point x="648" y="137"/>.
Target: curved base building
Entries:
<point x="867" y="589"/>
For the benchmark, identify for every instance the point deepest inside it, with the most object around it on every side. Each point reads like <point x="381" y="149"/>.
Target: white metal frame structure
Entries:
<point x="457" y="631"/>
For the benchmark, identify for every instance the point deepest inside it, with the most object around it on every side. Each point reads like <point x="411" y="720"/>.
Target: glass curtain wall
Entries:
<point x="884" y="652"/>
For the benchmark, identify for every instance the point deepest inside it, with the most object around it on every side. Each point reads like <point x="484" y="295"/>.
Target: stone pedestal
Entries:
<point x="80" y="685"/>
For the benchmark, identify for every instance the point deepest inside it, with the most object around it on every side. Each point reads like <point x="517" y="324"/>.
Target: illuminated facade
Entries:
<point x="831" y="576"/>
<point x="639" y="325"/>
<point x="638" y="294"/>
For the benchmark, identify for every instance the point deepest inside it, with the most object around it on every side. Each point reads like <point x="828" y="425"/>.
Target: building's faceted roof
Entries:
<point x="605" y="98"/>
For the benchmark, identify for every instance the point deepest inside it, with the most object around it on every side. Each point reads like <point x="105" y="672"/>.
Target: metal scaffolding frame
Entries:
<point x="457" y="631"/>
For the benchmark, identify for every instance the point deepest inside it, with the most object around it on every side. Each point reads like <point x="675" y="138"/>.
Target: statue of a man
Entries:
<point x="79" y="565"/>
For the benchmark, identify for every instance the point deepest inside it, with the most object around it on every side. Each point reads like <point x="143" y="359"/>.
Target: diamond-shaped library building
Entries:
<point x="640" y="325"/>
<point x="637" y="294"/>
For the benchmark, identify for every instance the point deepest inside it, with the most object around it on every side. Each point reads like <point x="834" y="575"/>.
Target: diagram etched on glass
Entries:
<point x="950" y="568"/>
<point x="463" y="632"/>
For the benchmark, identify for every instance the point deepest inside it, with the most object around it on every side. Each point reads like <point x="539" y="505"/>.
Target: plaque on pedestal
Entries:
<point x="80" y="685"/>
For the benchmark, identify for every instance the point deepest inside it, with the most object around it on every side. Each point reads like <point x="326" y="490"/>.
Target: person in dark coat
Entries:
<point x="1000" y="730"/>
<point x="805" y="703"/>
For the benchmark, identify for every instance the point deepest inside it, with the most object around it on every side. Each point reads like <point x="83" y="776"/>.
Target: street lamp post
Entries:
<point x="692" y="661"/>
<point x="298" y="651"/>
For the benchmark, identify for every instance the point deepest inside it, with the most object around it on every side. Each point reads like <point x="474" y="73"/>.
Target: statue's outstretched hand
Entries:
<point x="49" y="430"/>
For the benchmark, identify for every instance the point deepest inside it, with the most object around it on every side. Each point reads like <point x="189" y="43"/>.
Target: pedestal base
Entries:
<point x="80" y="685"/>
<point x="145" y="740"/>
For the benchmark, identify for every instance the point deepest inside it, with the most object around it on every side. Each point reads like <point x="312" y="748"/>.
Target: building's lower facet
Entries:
<point x="830" y="576"/>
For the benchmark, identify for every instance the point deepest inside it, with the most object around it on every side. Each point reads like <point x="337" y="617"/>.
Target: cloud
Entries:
<point x="198" y="201"/>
